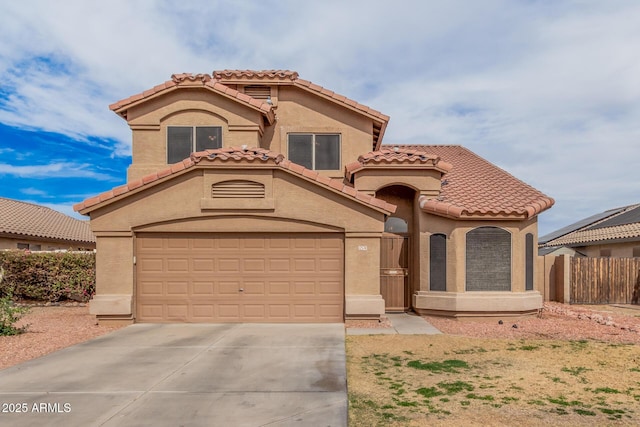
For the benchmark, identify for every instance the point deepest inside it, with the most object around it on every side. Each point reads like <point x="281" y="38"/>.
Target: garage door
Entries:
<point x="239" y="278"/>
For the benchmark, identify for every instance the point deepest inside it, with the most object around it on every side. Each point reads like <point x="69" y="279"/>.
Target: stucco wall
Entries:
<point x="297" y="111"/>
<point x="177" y="206"/>
<point x="457" y="299"/>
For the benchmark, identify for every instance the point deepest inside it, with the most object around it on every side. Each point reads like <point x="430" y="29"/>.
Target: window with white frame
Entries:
<point x="315" y="151"/>
<point x="184" y="140"/>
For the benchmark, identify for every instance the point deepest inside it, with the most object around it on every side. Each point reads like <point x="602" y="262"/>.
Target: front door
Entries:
<point x="394" y="272"/>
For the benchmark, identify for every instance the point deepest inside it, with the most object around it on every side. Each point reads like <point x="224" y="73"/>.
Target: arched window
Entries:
<point x="394" y="224"/>
<point x="438" y="262"/>
<point x="530" y="259"/>
<point x="488" y="259"/>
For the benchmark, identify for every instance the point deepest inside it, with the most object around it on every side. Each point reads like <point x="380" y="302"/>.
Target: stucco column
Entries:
<point x="362" y="275"/>
<point x="114" y="278"/>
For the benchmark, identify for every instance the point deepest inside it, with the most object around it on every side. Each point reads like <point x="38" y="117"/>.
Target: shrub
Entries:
<point x="9" y="315"/>
<point x="48" y="276"/>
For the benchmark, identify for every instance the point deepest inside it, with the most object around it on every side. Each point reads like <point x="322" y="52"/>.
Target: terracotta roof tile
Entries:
<point x="255" y="75"/>
<point x="476" y="187"/>
<point x="27" y="219"/>
<point x="396" y="157"/>
<point x="238" y="154"/>
<point x="197" y="80"/>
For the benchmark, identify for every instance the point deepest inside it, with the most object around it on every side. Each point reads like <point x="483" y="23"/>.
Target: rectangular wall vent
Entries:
<point x="237" y="189"/>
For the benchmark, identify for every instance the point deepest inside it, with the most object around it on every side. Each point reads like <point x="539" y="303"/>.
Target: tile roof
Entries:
<point x="397" y="157"/>
<point x="476" y="188"/>
<point x="255" y="75"/>
<point x="236" y="155"/>
<point x="615" y="224"/>
<point x="218" y="81"/>
<point x="27" y="219"/>
<point x="195" y="80"/>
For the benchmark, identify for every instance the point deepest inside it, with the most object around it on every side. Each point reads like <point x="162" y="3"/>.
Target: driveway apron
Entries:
<point x="185" y="375"/>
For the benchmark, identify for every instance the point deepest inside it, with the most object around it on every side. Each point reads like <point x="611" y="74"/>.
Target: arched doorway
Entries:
<point x="396" y="249"/>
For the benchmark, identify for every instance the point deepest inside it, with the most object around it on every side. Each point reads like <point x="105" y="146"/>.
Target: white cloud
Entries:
<point x="54" y="170"/>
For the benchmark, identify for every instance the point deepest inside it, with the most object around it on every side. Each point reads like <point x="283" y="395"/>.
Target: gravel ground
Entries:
<point x="557" y="321"/>
<point x="50" y="329"/>
<point x="53" y="328"/>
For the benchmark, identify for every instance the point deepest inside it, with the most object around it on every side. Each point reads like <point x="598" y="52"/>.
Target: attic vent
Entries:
<point x="237" y="189"/>
<point x="258" y="91"/>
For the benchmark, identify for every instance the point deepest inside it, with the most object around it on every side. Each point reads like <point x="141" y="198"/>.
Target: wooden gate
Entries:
<point x="604" y="280"/>
<point x="394" y="272"/>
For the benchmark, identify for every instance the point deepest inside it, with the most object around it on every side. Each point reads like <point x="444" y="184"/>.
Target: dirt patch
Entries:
<point x="50" y="329"/>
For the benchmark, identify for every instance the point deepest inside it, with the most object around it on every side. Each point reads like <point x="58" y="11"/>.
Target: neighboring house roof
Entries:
<point x="475" y="188"/>
<point x="217" y="82"/>
<point x="611" y="225"/>
<point x="233" y="156"/>
<point x="26" y="219"/>
<point x="396" y="157"/>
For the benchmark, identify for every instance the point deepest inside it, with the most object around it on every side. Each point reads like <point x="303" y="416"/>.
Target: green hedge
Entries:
<point x="48" y="276"/>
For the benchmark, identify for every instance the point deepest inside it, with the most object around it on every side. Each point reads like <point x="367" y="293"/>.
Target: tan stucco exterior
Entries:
<point x="181" y="201"/>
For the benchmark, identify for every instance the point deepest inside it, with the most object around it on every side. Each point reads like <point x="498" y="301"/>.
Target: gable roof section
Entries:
<point x="395" y="158"/>
<point x="474" y="188"/>
<point x="187" y="80"/>
<point x="611" y="225"/>
<point x="27" y="219"/>
<point x="287" y="77"/>
<point x="218" y="81"/>
<point x="233" y="156"/>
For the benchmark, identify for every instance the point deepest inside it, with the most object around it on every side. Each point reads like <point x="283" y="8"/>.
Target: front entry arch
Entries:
<point x="396" y="249"/>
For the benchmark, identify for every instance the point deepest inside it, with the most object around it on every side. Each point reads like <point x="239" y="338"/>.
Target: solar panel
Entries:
<point x="577" y="225"/>
<point x="629" y="217"/>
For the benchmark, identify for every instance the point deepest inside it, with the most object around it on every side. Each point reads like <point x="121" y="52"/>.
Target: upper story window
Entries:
<point x="315" y="151"/>
<point x="184" y="140"/>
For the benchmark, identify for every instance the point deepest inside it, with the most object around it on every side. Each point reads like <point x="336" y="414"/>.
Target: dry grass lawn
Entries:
<point x="456" y="380"/>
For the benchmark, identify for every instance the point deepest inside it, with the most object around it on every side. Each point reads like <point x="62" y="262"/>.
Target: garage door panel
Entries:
<point x="253" y="265"/>
<point x="178" y="265"/>
<point x="203" y="289"/>
<point x="248" y="278"/>
<point x="229" y="288"/>
<point x="204" y="265"/>
<point x="304" y="265"/>
<point x="148" y="288"/>
<point x="177" y="288"/>
<point x="229" y="265"/>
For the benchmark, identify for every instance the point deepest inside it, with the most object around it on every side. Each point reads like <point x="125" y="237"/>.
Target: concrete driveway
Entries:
<point x="185" y="375"/>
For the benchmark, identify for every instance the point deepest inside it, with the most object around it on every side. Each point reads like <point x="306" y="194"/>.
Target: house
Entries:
<point x="35" y="228"/>
<point x="257" y="196"/>
<point x="612" y="233"/>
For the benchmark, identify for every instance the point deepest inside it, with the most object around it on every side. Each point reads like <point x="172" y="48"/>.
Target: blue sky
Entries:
<point x="547" y="90"/>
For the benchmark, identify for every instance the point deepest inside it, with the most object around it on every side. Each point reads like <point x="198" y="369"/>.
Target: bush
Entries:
<point x="9" y="315"/>
<point x="48" y="276"/>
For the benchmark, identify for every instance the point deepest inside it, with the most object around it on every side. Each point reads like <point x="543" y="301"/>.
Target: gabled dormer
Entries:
<point x="273" y="109"/>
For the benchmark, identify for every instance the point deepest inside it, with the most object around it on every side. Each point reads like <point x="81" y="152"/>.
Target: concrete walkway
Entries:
<point x="402" y="323"/>
<point x="185" y="375"/>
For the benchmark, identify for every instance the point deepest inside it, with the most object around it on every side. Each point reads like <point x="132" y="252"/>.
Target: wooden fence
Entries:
<point x="604" y="280"/>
